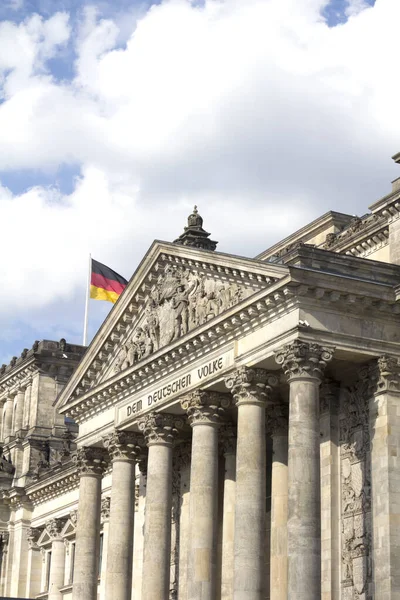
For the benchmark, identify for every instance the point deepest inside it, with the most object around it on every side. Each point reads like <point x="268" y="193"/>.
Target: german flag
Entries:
<point x="105" y="284"/>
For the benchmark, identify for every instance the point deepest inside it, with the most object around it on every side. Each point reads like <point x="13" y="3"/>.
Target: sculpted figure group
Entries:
<point x="180" y="301"/>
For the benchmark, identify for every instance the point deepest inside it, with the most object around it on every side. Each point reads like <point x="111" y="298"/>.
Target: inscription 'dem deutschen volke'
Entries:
<point x="177" y="386"/>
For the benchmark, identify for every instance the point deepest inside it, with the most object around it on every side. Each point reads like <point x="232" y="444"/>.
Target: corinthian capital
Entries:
<point x="54" y="527"/>
<point x="202" y="406"/>
<point x="123" y="445"/>
<point x="303" y="359"/>
<point x="384" y="375"/>
<point x="90" y="461"/>
<point x="251" y="386"/>
<point x="32" y="535"/>
<point x="160" y="428"/>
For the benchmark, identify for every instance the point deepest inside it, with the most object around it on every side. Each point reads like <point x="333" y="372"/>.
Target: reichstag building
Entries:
<point x="231" y="433"/>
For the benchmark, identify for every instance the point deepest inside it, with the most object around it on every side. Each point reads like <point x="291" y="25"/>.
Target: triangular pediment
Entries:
<point x="175" y="291"/>
<point x="44" y="539"/>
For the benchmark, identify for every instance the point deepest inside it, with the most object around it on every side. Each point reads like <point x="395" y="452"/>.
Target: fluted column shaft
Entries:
<point x="91" y="463"/>
<point x="57" y="565"/>
<point x="8" y="417"/>
<point x="124" y="449"/>
<point x="228" y="441"/>
<point x="303" y="364"/>
<point x="250" y="393"/>
<point x="277" y="426"/>
<point x="203" y="409"/>
<point x="159" y="431"/>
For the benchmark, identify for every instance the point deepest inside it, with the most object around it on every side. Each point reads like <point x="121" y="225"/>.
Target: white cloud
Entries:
<point x="256" y="111"/>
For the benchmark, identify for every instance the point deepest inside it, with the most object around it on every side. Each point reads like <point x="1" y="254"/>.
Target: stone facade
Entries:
<point x="232" y="432"/>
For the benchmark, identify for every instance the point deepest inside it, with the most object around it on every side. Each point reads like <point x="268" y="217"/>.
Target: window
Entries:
<point x="100" y="554"/>
<point x="48" y="564"/>
<point x="71" y="562"/>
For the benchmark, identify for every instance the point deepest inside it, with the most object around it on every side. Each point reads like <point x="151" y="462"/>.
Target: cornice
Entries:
<point x="128" y="310"/>
<point x="55" y="484"/>
<point x="217" y="333"/>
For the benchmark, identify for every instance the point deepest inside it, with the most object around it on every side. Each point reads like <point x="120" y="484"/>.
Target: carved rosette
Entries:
<point x="54" y="528"/>
<point x="303" y="359"/>
<point x="227" y="438"/>
<point x="251" y="386"/>
<point x="90" y="461"/>
<point x="205" y="408"/>
<point x="32" y="535"/>
<point x="123" y="445"/>
<point x="160" y="428"/>
<point x="277" y="419"/>
<point x="105" y="508"/>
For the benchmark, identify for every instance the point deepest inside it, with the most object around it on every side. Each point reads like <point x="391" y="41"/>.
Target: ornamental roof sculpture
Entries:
<point x="194" y="235"/>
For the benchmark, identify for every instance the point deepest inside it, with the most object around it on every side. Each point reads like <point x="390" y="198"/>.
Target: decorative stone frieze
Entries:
<point x="227" y="438"/>
<point x="356" y="488"/>
<point x="160" y="428"/>
<point x="123" y="445"/>
<point x="303" y="359"/>
<point x="277" y="419"/>
<point x="54" y="527"/>
<point x="105" y="508"/>
<point x="328" y="395"/>
<point x="90" y="461"/>
<point x="202" y="406"/>
<point x="251" y="385"/>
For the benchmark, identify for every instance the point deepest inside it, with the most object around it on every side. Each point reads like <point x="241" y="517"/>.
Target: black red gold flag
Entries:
<point x="105" y="284"/>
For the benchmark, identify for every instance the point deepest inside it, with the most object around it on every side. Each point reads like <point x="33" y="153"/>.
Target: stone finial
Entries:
<point x="203" y="406"/>
<point x="303" y="359"/>
<point x="277" y="419"/>
<point x="123" y="445"/>
<point x="90" y="461"/>
<point x="383" y="375"/>
<point x="227" y="438"/>
<point x="251" y="385"/>
<point x="54" y="527"/>
<point x="194" y="235"/>
<point x="160" y="428"/>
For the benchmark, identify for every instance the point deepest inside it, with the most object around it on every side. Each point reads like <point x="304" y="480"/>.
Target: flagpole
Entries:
<point x="85" y="322"/>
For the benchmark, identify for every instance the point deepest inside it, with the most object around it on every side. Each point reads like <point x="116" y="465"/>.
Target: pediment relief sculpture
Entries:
<point x="180" y="301"/>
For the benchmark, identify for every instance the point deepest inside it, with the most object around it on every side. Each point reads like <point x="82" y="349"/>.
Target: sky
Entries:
<point x="117" y="117"/>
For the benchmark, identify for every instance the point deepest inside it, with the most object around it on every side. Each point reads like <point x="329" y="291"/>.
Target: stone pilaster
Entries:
<point x="57" y="565"/>
<point x="185" y="451"/>
<point x="277" y="427"/>
<point x="124" y="449"/>
<point x="91" y="463"/>
<point x="160" y="431"/>
<point x="384" y="426"/>
<point x="250" y="388"/>
<point x="228" y="447"/>
<point x="204" y="410"/>
<point x="19" y="410"/>
<point x="303" y="364"/>
<point x="4" y="538"/>
<point x="33" y="576"/>
<point x="27" y="404"/>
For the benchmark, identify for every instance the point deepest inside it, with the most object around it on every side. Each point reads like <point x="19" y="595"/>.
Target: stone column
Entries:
<point x="303" y="364"/>
<point x="385" y="478"/>
<point x="5" y="538"/>
<point x="124" y="449"/>
<point x="159" y="430"/>
<point x="228" y="443"/>
<point x="27" y="404"/>
<point x="91" y="463"/>
<point x="57" y="565"/>
<point x="19" y="411"/>
<point x="8" y="417"/>
<point x="249" y="389"/>
<point x="204" y="410"/>
<point x="277" y="427"/>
